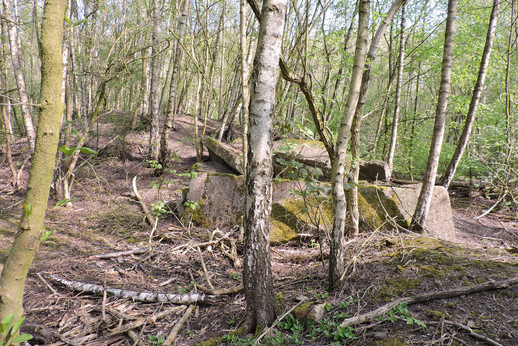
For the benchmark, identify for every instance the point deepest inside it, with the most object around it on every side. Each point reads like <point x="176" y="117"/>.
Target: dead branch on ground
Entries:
<point x="143" y="205"/>
<point x="454" y="292"/>
<point x="174" y="332"/>
<point x="145" y="297"/>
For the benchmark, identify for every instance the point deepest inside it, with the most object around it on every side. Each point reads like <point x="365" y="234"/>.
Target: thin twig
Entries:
<point x="276" y="322"/>
<point x="46" y="283"/>
<point x="204" y="269"/>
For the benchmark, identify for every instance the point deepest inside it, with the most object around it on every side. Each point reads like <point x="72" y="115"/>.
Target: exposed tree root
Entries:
<point x="454" y="292"/>
<point x="145" y="297"/>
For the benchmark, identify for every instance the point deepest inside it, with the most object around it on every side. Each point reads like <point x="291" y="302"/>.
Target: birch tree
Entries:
<point x="477" y="92"/>
<point x="31" y="227"/>
<point x="257" y="274"/>
<point x="173" y="93"/>
<point x="18" y="72"/>
<point x="336" y="258"/>
<point x="399" y="87"/>
<point x="425" y="197"/>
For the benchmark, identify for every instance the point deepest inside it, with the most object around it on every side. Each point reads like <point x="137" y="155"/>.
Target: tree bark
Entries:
<point x="169" y="117"/>
<point x="27" y="239"/>
<point x="257" y="274"/>
<point x="336" y="258"/>
<point x="18" y="72"/>
<point x="244" y="80"/>
<point x="354" y="215"/>
<point x="399" y="87"/>
<point x="425" y="197"/>
<point x="477" y="91"/>
<point x="154" y="98"/>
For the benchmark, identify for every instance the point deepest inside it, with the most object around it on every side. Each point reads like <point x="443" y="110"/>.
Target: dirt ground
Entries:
<point x="382" y="266"/>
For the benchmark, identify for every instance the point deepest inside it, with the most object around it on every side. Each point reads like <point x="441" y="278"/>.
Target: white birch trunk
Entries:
<point x="336" y="260"/>
<point x="18" y="72"/>
<point x="425" y="197"/>
<point x="257" y="274"/>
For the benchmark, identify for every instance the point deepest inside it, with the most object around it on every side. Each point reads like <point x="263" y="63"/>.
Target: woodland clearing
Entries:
<point x="106" y="218"/>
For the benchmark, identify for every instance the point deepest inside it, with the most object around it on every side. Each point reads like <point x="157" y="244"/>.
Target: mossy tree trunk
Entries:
<point x="257" y="273"/>
<point x="31" y="227"/>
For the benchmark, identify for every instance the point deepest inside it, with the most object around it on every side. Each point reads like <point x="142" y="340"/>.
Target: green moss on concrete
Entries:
<point x="301" y="311"/>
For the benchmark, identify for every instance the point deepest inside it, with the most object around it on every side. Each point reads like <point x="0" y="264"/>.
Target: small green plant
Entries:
<point x="160" y="208"/>
<point x="9" y="331"/>
<point x="235" y="276"/>
<point x="191" y="205"/>
<point x="66" y="201"/>
<point x="70" y="151"/>
<point x="401" y="312"/>
<point x="46" y="234"/>
<point x="189" y="174"/>
<point x="155" y="165"/>
<point x="295" y="327"/>
<point x="156" y="340"/>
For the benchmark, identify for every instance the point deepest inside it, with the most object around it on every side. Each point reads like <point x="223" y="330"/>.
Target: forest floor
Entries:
<point x="382" y="266"/>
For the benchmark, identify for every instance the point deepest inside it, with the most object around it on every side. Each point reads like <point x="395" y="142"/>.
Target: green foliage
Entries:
<point x="401" y="312"/>
<point x="191" y="205"/>
<point x="155" y="339"/>
<point x="9" y="331"/>
<point x="160" y="208"/>
<point x="46" y="234"/>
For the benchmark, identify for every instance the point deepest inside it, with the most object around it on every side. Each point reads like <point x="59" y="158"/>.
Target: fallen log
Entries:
<point x="454" y="292"/>
<point x="145" y="297"/>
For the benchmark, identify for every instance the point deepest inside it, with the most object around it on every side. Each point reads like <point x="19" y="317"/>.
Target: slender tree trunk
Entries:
<point x="142" y="99"/>
<point x="173" y="92"/>
<point x="18" y="71"/>
<point x="257" y="274"/>
<point x="477" y="91"/>
<point x="27" y="240"/>
<point x="8" y="131"/>
<point x="425" y="197"/>
<point x="354" y="215"/>
<point x="399" y="87"/>
<point x="154" y="99"/>
<point x="244" y="80"/>
<point x="336" y="258"/>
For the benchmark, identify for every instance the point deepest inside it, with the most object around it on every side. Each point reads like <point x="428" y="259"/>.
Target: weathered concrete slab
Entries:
<point x="227" y="153"/>
<point x="219" y="202"/>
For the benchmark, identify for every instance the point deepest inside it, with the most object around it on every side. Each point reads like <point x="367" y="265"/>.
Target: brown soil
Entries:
<point x="106" y="218"/>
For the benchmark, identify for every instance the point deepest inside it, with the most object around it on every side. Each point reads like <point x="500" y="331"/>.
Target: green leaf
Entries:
<point x="67" y="151"/>
<point x="65" y="201"/>
<point x="88" y="151"/>
<point x="46" y="235"/>
<point x="74" y="132"/>
<point x="22" y="338"/>
<point x="68" y="20"/>
<point x="17" y="325"/>
<point x="79" y="22"/>
<point x="6" y="323"/>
